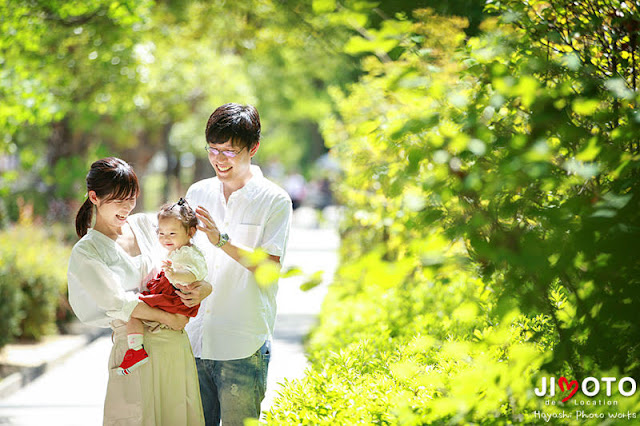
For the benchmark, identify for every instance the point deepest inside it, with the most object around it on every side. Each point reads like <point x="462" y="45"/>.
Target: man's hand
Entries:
<point x="194" y="293"/>
<point x="176" y="321"/>
<point x="207" y="225"/>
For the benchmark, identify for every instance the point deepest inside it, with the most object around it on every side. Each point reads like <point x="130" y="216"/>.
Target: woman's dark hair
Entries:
<point x="238" y="123"/>
<point x="181" y="211"/>
<point x="112" y="179"/>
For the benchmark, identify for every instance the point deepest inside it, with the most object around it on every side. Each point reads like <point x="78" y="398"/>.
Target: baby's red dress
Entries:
<point x="163" y="295"/>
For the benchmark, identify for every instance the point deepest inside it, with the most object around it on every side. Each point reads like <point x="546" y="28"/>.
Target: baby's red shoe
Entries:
<point x="132" y="360"/>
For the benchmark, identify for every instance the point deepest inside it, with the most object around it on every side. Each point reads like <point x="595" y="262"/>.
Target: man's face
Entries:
<point x="231" y="163"/>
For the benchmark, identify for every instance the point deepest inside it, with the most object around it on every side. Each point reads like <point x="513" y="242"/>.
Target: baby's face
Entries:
<point x="171" y="234"/>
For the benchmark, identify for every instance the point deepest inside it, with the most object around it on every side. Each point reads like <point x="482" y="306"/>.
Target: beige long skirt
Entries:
<point x="162" y="392"/>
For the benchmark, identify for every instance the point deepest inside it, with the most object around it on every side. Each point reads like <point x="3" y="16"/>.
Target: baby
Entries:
<point x="186" y="264"/>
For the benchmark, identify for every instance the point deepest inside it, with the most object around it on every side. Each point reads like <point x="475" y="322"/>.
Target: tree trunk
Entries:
<point x="139" y="157"/>
<point x="60" y="143"/>
<point x="202" y="169"/>
<point x="317" y="148"/>
<point x="172" y="161"/>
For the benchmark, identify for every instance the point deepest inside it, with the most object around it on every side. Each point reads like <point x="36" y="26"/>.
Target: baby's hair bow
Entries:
<point x="180" y="204"/>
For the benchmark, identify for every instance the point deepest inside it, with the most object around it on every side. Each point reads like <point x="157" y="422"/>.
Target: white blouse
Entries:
<point x="191" y="259"/>
<point x="104" y="280"/>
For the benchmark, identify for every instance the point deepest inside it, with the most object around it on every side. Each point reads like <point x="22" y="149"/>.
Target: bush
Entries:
<point x="33" y="282"/>
<point x="493" y="212"/>
<point x="11" y="297"/>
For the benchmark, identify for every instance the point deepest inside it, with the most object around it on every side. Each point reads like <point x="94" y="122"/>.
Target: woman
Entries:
<point x="107" y="269"/>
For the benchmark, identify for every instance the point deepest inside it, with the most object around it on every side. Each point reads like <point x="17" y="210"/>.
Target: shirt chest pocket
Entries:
<point x="247" y="235"/>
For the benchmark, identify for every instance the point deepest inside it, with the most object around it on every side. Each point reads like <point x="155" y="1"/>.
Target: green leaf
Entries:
<point x="313" y="281"/>
<point x="590" y="152"/>
<point x="357" y="45"/>
<point x="267" y="273"/>
<point x="583" y="106"/>
<point x="323" y="6"/>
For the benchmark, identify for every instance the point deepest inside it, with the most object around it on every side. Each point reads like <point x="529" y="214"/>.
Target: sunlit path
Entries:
<point x="71" y="394"/>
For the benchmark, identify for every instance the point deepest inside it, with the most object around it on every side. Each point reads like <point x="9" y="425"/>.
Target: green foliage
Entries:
<point x="33" y="282"/>
<point x="11" y="296"/>
<point x="4" y="215"/>
<point x="137" y="78"/>
<point x="66" y="66"/>
<point x="76" y="46"/>
<point x="492" y="193"/>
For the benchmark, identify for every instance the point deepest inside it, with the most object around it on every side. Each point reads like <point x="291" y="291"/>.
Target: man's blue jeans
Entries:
<point x="232" y="391"/>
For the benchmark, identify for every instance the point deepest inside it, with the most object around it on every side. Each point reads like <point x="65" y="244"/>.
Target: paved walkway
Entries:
<point x="72" y="393"/>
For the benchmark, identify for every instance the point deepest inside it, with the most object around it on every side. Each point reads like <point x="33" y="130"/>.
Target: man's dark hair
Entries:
<point x="235" y="122"/>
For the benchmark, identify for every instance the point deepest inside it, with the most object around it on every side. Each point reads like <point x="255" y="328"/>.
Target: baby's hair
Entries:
<point x="181" y="211"/>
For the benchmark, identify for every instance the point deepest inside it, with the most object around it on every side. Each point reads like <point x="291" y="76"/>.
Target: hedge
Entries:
<point x="33" y="283"/>
<point x="492" y="188"/>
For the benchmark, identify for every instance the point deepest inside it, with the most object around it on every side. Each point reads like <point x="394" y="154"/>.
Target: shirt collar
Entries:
<point x="251" y="187"/>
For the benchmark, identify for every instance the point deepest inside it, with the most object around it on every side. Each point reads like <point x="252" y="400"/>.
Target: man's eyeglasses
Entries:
<point x="228" y="154"/>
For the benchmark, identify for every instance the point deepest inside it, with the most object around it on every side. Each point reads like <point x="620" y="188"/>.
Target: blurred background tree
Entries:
<point x="138" y="79"/>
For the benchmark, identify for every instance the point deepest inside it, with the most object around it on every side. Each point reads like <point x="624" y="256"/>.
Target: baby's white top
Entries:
<point x="191" y="259"/>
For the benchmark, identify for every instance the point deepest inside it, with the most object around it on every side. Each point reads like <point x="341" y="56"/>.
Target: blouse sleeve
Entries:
<point x="145" y="227"/>
<point x="191" y="259"/>
<point x="94" y="291"/>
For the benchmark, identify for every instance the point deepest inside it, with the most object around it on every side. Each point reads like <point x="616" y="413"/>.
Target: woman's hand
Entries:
<point x="176" y="322"/>
<point x="194" y="293"/>
<point x="145" y="312"/>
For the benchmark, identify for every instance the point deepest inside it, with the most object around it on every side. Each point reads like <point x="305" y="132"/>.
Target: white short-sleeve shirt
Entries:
<point x="104" y="280"/>
<point x="238" y="316"/>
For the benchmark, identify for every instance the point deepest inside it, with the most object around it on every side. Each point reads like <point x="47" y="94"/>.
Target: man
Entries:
<point x="239" y="210"/>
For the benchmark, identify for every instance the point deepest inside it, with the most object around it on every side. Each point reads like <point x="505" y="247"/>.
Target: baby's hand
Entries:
<point x="167" y="265"/>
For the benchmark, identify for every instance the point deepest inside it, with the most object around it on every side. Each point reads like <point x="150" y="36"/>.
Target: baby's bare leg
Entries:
<point x="134" y="326"/>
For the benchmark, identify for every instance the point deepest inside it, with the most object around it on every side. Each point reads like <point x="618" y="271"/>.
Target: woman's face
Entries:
<point x="113" y="213"/>
<point x="172" y="234"/>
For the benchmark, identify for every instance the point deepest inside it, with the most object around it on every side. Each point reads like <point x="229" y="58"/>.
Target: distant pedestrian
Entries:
<point x="107" y="269"/>
<point x="186" y="264"/>
<point x="239" y="210"/>
<point x="296" y="187"/>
